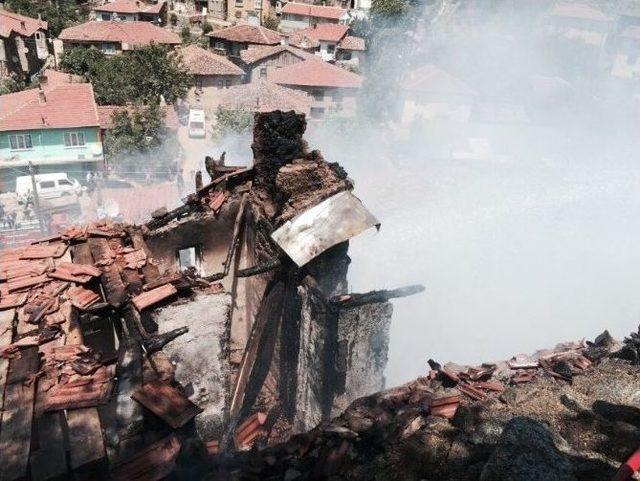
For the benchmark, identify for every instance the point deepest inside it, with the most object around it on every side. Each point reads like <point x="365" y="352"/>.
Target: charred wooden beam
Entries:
<point x="269" y="265"/>
<point x="355" y="300"/>
<point x="235" y="240"/>
<point x="157" y="342"/>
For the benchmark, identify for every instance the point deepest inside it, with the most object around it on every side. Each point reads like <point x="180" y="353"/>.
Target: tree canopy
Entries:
<point x="59" y="15"/>
<point x="137" y="76"/>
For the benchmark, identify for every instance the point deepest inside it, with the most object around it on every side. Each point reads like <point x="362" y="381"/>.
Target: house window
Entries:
<point x="218" y="45"/>
<point x="220" y="83"/>
<point x="346" y="55"/>
<point x="20" y="141"/>
<point x="108" y="48"/>
<point x="73" y="139"/>
<point x="331" y="48"/>
<point x="106" y="17"/>
<point x="337" y="100"/>
<point x="198" y="82"/>
<point x="189" y="258"/>
<point x="227" y="83"/>
<point x="263" y="72"/>
<point x="318" y="95"/>
<point x="317" y="112"/>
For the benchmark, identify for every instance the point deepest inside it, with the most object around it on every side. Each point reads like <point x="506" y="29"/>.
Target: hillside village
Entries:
<point x="173" y="308"/>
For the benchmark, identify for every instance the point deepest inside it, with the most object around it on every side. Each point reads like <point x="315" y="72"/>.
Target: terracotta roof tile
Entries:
<point x="167" y="403"/>
<point x="130" y="6"/>
<point x="264" y="96"/>
<point x="315" y="73"/>
<point x="307" y="10"/>
<point x="248" y="34"/>
<point x="64" y="106"/>
<point x="149" y="298"/>
<point x="55" y="77"/>
<point x="200" y="61"/>
<point x="105" y="116"/>
<point x="352" y="43"/>
<point x="431" y="79"/>
<point x="13" y="22"/>
<point x="130" y="33"/>
<point x="328" y="32"/>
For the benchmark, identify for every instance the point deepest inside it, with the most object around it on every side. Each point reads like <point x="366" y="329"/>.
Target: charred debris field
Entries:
<point x="220" y="340"/>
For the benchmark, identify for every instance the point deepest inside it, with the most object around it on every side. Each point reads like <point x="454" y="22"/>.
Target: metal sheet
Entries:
<point x="334" y="220"/>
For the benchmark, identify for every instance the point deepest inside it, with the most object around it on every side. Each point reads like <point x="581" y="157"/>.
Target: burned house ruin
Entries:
<point x="228" y="319"/>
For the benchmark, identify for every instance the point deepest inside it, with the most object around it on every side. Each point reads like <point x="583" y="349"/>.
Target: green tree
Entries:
<point x="80" y="60"/>
<point x="137" y="76"/>
<point x="58" y="14"/>
<point x="138" y="141"/>
<point x="229" y="122"/>
<point x="271" y="22"/>
<point x="206" y="27"/>
<point x="10" y="84"/>
<point x="185" y="34"/>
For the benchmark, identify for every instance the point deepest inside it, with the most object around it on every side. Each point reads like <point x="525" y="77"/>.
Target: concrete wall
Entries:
<point x="210" y="234"/>
<point x="200" y="356"/>
<point x="48" y="148"/>
<point x="329" y="101"/>
<point x="207" y="91"/>
<point x="276" y="61"/>
<point x="416" y="108"/>
<point x="362" y="350"/>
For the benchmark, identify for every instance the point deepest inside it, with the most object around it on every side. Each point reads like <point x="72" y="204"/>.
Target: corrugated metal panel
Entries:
<point x="334" y="220"/>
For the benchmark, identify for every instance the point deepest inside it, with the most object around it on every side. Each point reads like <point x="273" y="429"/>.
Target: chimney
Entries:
<point x="42" y="99"/>
<point x="22" y="24"/>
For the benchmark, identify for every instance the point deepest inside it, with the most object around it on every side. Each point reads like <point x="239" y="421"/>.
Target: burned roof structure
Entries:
<point x="226" y="320"/>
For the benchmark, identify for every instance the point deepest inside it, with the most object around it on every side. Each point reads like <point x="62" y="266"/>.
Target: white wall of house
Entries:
<point x="331" y="102"/>
<point x="416" y="109"/>
<point x="327" y="50"/>
<point x="123" y="17"/>
<point x="626" y="66"/>
<point x="290" y="22"/>
<point x="209" y="89"/>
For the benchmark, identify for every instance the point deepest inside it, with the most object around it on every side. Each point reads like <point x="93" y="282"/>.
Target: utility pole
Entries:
<point x="36" y="197"/>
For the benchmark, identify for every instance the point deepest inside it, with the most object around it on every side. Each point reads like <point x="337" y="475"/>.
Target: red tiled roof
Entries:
<point x="105" y="115"/>
<point x="264" y="96"/>
<point x="248" y="34"/>
<point x="255" y="54"/>
<point x="318" y="11"/>
<point x="12" y="22"/>
<point x="578" y="10"/>
<point x="65" y="106"/>
<point x="200" y="61"/>
<point x="131" y="33"/>
<point x="130" y="6"/>
<point x="352" y="43"/>
<point x="328" y="32"/>
<point x="430" y="79"/>
<point x="55" y="77"/>
<point x="315" y="73"/>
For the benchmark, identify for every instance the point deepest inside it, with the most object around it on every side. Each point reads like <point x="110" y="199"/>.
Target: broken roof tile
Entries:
<point x="82" y="298"/>
<point x="166" y="402"/>
<point x="42" y="251"/>
<point x="81" y="391"/>
<point x="445" y="407"/>
<point x="149" y="298"/>
<point x="25" y="282"/>
<point x="7" y="301"/>
<point x="249" y="430"/>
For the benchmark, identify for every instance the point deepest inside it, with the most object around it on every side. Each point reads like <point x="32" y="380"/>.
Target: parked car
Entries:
<point x="50" y="186"/>
<point x="197" y="123"/>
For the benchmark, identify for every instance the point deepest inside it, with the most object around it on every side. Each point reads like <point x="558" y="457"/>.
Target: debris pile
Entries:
<point x="555" y="415"/>
<point x="218" y="326"/>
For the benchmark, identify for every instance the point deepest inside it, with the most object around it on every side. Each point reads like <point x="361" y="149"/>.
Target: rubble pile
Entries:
<point x="569" y="413"/>
<point x="215" y="327"/>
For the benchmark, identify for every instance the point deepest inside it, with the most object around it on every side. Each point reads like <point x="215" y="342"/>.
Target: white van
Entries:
<point x="50" y="186"/>
<point x="196" y="123"/>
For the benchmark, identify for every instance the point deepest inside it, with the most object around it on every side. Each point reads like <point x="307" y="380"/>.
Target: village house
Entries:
<point x="296" y="16"/>
<point x="264" y="96"/>
<point x="212" y="74"/>
<point x="331" y="42"/>
<point x="333" y="90"/>
<point x="231" y="41"/>
<point x="55" y="126"/>
<point x="578" y="22"/>
<point x="430" y="93"/>
<point x="250" y="11"/>
<point x="258" y="61"/>
<point x="132" y="11"/>
<point x="625" y="53"/>
<point x="23" y="45"/>
<point x="115" y="37"/>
